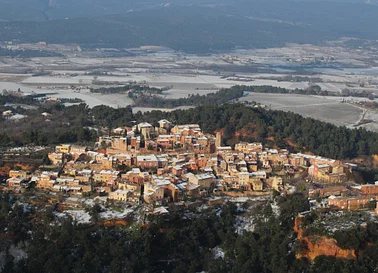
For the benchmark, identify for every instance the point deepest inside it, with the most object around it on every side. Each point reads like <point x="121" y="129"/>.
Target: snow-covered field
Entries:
<point x="329" y="109"/>
<point x="148" y="109"/>
<point x="191" y="74"/>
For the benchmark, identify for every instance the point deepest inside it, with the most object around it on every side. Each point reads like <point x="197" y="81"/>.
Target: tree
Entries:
<point x="372" y="204"/>
<point x="46" y="160"/>
<point x="94" y="212"/>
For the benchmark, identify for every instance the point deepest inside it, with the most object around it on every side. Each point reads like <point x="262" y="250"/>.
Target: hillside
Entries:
<point x="238" y="123"/>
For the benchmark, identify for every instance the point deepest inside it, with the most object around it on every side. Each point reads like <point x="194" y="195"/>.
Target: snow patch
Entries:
<point x="218" y="253"/>
<point x="80" y="216"/>
<point x="276" y="209"/>
<point x="243" y="224"/>
<point x="107" y="215"/>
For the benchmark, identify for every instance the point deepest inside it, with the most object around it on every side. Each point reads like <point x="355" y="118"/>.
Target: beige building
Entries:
<point x="187" y="129"/>
<point x="63" y="148"/>
<point x="125" y="185"/>
<point x="119" y="195"/>
<point x="244" y="179"/>
<point x="249" y="147"/>
<point x="153" y="193"/>
<point x="277" y="183"/>
<point x="164" y="124"/>
<point x="14" y="182"/>
<point x="56" y="158"/>
<point x="14" y="173"/>
<point x="206" y="181"/>
<point x="76" y="149"/>
<point x="146" y="129"/>
<point x="106" y="176"/>
<point x="117" y="145"/>
<point x="258" y="185"/>
<point x="46" y="180"/>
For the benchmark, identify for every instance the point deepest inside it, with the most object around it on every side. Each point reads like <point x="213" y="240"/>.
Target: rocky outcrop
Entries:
<point x="115" y="222"/>
<point x="313" y="246"/>
<point x="375" y="160"/>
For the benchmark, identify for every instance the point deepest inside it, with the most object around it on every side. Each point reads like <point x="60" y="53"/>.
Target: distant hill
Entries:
<point x="190" y="29"/>
<point x="41" y="10"/>
<point x="196" y="28"/>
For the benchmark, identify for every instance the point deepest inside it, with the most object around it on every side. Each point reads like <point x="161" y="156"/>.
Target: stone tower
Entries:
<point x="218" y="141"/>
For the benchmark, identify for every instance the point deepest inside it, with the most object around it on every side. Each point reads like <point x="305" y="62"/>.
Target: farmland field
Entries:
<point x="332" y="69"/>
<point x="329" y="109"/>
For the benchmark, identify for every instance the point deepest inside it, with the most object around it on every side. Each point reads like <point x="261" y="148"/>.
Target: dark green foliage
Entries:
<point x="291" y="205"/>
<point x="111" y="117"/>
<point x="125" y="88"/>
<point x="349" y="239"/>
<point x="173" y="244"/>
<point x="67" y="125"/>
<point x="94" y="212"/>
<point x="367" y="174"/>
<point x="357" y="238"/>
<point x="4" y="140"/>
<point x="27" y="53"/>
<point x="163" y="246"/>
<point x="220" y="97"/>
<point x="334" y="265"/>
<point x="168" y="244"/>
<point x="314" y="90"/>
<point x="15" y="99"/>
<point x="75" y="135"/>
<point x="14" y="219"/>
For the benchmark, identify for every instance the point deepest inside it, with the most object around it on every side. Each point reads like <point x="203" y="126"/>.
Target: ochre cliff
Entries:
<point x="314" y="246"/>
<point x="375" y="160"/>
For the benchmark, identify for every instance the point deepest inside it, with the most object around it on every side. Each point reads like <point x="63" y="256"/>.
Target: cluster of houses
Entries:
<point x="170" y="163"/>
<point x="344" y="197"/>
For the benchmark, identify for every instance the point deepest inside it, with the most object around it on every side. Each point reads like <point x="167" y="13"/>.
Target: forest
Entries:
<point x="125" y="88"/>
<point x="311" y="90"/>
<point x="27" y="53"/>
<point x="172" y="242"/>
<point x="220" y="97"/>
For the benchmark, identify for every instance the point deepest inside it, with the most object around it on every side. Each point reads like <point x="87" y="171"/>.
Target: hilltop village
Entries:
<point x="167" y="163"/>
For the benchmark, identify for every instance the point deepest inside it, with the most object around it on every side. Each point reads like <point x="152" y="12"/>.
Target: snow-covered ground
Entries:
<point x="245" y="221"/>
<point x="191" y="74"/>
<point x="329" y="109"/>
<point x="81" y="216"/>
<point x="109" y="214"/>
